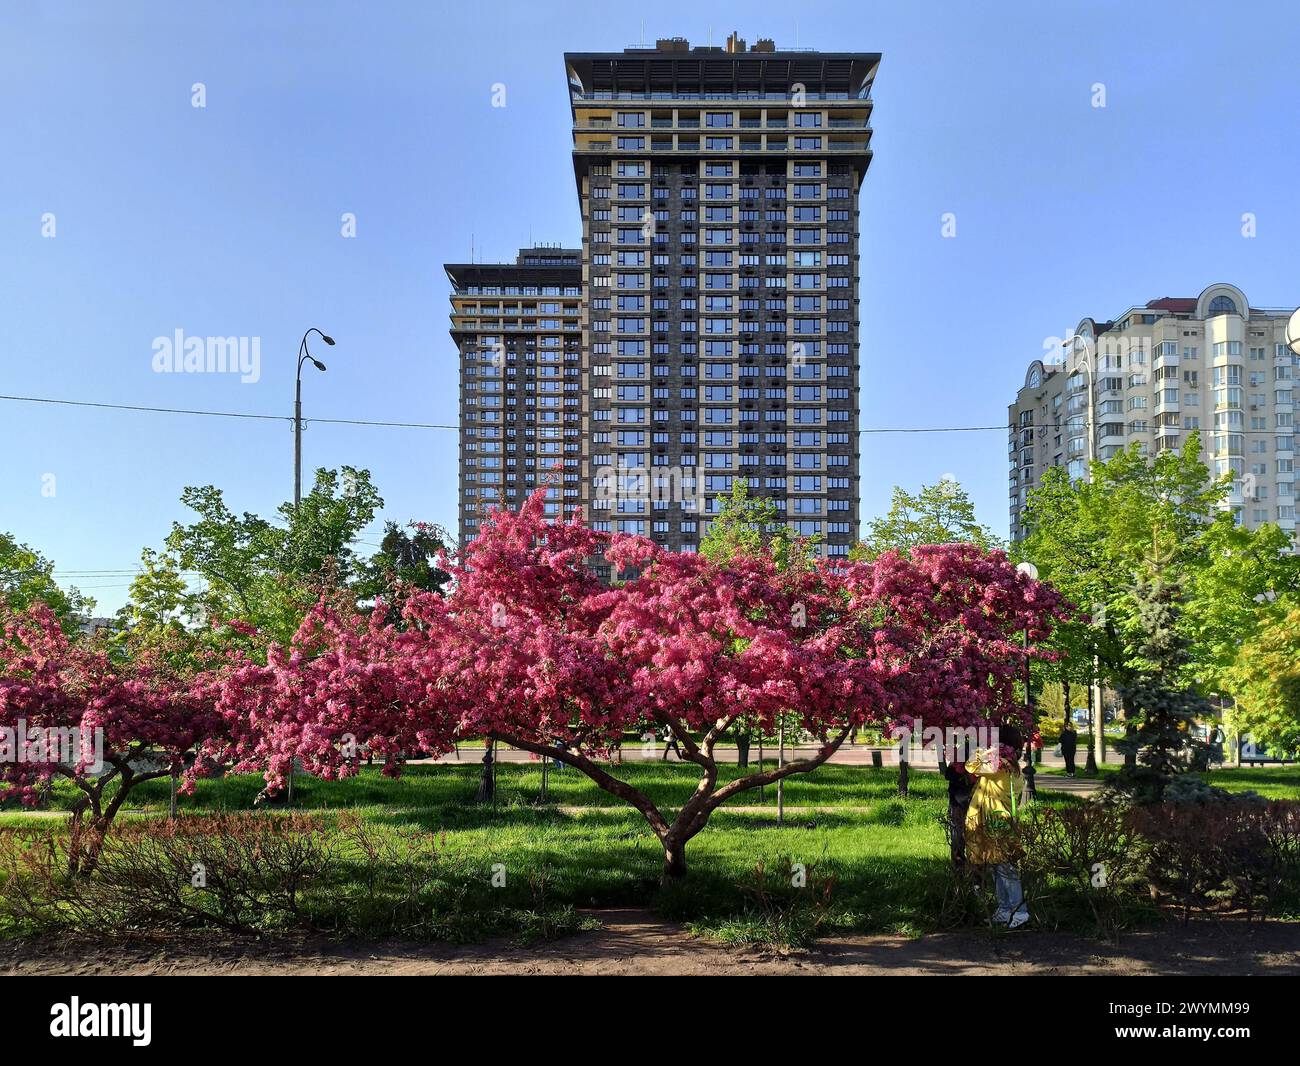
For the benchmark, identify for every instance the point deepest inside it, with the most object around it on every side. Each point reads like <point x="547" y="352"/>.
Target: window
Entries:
<point x="1223" y="305"/>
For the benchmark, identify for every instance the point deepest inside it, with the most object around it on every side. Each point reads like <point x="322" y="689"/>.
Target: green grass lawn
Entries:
<point x="887" y="855"/>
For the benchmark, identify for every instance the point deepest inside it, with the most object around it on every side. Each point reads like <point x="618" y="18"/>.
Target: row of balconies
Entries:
<point x="716" y="98"/>
<point x="764" y="146"/>
<point x="682" y="123"/>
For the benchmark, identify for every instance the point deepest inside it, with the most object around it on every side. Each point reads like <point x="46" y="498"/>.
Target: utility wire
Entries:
<point x="137" y="407"/>
<point x="409" y="425"/>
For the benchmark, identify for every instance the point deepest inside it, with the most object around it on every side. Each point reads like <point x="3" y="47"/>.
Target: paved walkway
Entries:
<point x="859" y="755"/>
<point x="636" y="941"/>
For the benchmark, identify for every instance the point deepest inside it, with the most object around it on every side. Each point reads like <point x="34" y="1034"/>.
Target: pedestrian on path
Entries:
<point x="1069" y="745"/>
<point x="994" y="810"/>
<point x="670" y="744"/>
<point x="961" y="786"/>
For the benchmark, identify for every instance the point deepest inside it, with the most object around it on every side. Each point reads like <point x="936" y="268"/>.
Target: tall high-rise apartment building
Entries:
<point x="707" y="330"/>
<point x="1210" y="363"/>
<point x="719" y="197"/>
<point x="517" y="328"/>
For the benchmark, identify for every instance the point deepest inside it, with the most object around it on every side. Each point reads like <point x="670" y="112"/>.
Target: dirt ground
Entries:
<point x="637" y="942"/>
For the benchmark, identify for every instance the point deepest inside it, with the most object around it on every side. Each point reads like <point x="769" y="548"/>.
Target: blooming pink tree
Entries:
<point x="702" y="644"/>
<point x="348" y="682"/>
<point x="529" y="648"/>
<point x="68" y="710"/>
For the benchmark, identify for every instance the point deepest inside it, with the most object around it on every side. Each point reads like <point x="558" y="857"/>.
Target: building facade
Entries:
<point x="719" y="197"/>
<point x="517" y="328"/>
<point x="1210" y="363"/>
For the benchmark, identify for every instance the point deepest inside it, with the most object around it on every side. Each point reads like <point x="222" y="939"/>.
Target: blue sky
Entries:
<point x="225" y="220"/>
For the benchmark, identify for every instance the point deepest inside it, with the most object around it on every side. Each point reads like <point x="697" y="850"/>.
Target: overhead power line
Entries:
<point x="139" y="407"/>
<point x="405" y="425"/>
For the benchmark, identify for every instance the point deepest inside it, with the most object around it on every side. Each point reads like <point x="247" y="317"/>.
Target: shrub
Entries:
<point x="782" y="910"/>
<point x="1242" y="853"/>
<point x="237" y="873"/>
<point x="252" y="874"/>
<point x="1094" y="849"/>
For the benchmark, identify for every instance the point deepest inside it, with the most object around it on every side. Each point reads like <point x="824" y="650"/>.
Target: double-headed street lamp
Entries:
<point x="303" y="356"/>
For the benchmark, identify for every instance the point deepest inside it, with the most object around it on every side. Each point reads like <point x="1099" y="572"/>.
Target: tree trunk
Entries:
<point x="1130" y="746"/>
<point x="742" y="750"/>
<point x="902" y="777"/>
<point x="487" y="779"/>
<point x="694" y="816"/>
<point x="674" y="859"/>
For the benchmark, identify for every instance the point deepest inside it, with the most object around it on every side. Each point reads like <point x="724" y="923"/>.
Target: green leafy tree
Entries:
<point x="27" y="577"/>
<point x="1090" y="538"/>
<point x="938" y="514"/>
<point x="748" y="525"/>
<point x="269" y="574"/>
<point x="163" y="616"/>
<point x="406" y="560"/>
<point x="1239" y="572"/>
<point x="1265" y="680"/>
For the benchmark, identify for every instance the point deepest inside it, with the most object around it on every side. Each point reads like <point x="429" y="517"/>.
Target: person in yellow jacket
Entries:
<point x="998" y="797"/>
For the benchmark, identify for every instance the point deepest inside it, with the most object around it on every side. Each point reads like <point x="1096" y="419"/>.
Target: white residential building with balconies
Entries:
<point x="1211" y="363"/>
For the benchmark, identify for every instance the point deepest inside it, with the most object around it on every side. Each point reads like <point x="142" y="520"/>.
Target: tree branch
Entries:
<point x="767" y="777"/>
<point x="714" y="734"/>
<point x="608" y="782"/>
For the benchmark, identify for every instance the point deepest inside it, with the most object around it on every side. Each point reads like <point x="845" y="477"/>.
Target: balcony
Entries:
<point x="604" y="95"/>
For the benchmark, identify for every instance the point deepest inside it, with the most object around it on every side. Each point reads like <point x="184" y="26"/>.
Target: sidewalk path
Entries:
<point x="635" y="941"/>
<point x="855" y="756"/>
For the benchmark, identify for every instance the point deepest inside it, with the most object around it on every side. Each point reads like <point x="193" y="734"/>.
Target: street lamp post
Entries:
<point x="303" y="356"/>
<point x="1030" y="571"/>
<point x="1088" y="362"/>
